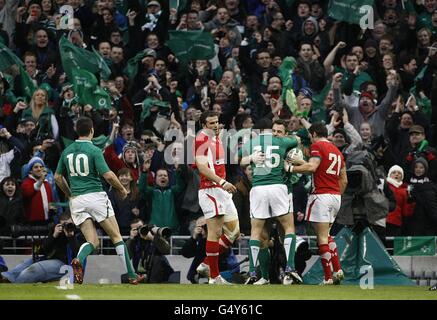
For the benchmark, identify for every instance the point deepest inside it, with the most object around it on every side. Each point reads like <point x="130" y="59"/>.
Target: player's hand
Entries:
<point x="58" y="230"/>
<point x="295" y="160"/>
<point x="258" y="157"/>
<point x="229" y="187"/>
<point x="123" y="193"/>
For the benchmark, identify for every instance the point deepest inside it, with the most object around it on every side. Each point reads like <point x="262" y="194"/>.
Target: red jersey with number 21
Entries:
<point x="327" y="176"/>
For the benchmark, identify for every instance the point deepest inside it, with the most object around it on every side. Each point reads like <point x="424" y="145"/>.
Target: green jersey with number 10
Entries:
<point x="274" y="149"/>
<point x="82" y="164"/>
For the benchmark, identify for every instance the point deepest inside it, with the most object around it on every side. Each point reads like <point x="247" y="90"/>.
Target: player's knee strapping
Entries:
<point x="232" y="235"/>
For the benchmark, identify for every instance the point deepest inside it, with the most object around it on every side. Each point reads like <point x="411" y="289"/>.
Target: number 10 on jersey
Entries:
<point x="78" y="166"/>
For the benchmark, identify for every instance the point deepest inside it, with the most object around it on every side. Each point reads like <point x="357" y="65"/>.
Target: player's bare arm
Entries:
<point x="112" y="179"/>
<point x="306" y="167"/>
<point x="256" y="157"/>
<point x="63" y="185"/>
<point x="202" y="165"/>
<point x="343" y="180"/>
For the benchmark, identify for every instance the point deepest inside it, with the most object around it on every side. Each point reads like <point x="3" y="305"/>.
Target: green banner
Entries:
<point x="360" y="253"/>
<point x="73" y="57"/>
<point x="88" y="90"/>
<point x="348" y="10"/>
<point x="414" y="246"/>
<point x="8" y="60"/>
<point x="191" y="45"/>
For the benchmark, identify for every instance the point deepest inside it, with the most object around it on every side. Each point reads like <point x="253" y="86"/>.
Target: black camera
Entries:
<point x="161" y="231"/>
<point x="69" y="227"/>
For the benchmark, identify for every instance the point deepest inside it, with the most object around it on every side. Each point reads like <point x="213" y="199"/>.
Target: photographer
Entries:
<point x="148" y="246"/>
<point x="59" y="248"/>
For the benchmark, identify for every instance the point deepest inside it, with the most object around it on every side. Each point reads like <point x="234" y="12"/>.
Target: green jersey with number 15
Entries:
<point x="82" y="164"/>
<point x="274" y="149"/>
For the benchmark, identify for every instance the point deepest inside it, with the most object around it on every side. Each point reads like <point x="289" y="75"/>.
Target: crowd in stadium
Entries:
<point x="375" y="89"/>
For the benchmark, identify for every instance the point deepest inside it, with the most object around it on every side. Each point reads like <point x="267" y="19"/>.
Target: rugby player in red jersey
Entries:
<point x="215" y="194"/>
<point x="326" y="163"/>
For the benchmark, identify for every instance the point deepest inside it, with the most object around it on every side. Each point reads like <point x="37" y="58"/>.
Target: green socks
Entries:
<point x="253" y="254"/>
<point x="123" y="254"/>
<point x="290" y="249"/>
<point x="84" y="251"/>
<point x="264" y="262"/>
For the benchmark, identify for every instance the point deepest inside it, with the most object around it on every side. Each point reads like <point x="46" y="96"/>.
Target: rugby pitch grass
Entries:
<point x="50" y="291"/>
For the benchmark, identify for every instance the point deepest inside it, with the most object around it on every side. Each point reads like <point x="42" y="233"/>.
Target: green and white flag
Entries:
<point x="73" y="57"/>
<point x="348" y="10"/>
<point x="88" y="90"/>
<point x="9" y="61"/>
<point x="414" y="246"/>
<point x="191" y="45"/>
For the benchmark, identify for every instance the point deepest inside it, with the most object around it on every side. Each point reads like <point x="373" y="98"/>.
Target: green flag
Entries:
<point x="348" y="10"/>
<point x="286" y="75"/>
<point x="88" y="90"/>
<point x="148" y="103"/>
<point x="73" y="57"/>
<point x="100" y="142"/>
<point x="318" y="110"/>
<point x="414" y="246"/>
<point x="178" y="4"/>
<point x="191" y="45"/>
<point x="7" y="60"/>
<point x="358" y="254"/>
<point x="131" y="68"/>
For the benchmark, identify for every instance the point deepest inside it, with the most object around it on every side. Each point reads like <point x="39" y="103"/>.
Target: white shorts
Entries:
<point x="96" y="206"/>
<point x="269" y="201"/>
<point x="322" y="207"/>
<point x="217" y="202"/>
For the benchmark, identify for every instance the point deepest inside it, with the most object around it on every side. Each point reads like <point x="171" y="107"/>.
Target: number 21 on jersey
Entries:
<point x="335" y="166"/>
<point x="78" y="166"/>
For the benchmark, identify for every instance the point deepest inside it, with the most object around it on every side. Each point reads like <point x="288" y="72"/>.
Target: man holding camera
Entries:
<point x="59" y="248"/>
<point x="148" y="246"/>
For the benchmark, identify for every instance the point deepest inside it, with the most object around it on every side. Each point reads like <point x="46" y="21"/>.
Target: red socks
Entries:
<point x="325" y="256"/>
<point x="224" y="245"/>
<point x="334" y="254"/>
<point x="212" y="256"/>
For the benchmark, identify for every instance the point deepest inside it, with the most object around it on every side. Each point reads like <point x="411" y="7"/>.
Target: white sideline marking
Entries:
<point x="73" y="297"/>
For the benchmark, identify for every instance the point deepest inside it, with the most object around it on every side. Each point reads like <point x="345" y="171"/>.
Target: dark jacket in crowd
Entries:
<point x="11" y="211"/>
<point x="423" y="221"/>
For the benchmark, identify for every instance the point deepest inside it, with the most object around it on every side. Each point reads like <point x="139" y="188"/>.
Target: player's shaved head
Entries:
<point x="84" y="126"/>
